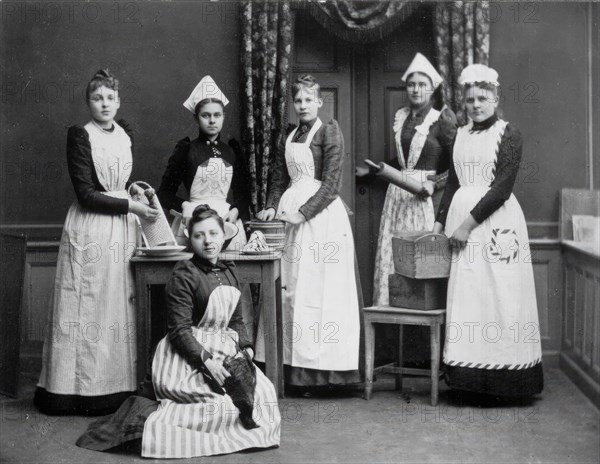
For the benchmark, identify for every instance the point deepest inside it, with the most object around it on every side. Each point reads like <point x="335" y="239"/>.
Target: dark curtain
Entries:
<point x="462" y="36"/>
<point x="360" y="21"/>
<point x="265" y="57"/>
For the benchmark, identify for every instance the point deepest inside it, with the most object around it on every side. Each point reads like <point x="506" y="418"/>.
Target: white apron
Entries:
<point x="402" y="211"/>
<point x="210" y="186"/>
<point x="319" y="296"/>
<point x="90" y="344"/>
<point x="492" y="319"/>
<point x="192" y="420"/>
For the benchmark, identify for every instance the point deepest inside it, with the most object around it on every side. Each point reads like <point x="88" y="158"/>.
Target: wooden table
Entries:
<point x="257" y="269"/>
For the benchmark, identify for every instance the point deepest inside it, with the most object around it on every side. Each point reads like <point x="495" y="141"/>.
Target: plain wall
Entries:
<point x="540" y="51"/>
<point x="158" y="50"/>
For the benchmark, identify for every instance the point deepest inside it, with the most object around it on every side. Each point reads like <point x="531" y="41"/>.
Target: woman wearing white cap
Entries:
<point x="424" y="138"/>
<point x="492" y="330"/>
<point x="210" y="170"/>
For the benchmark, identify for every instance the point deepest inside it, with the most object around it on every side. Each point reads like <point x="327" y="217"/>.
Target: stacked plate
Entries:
<point x="274" y="232"/>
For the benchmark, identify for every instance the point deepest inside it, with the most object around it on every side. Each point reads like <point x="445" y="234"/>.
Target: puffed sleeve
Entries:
<point x="82" y="172"/>
<point x="173" y="176"/>
<point x="180" y="305"/>
<point x="280" y="177"/>
<point x="240" y="182"/>
<point x="331" y="179"/>
<point x="506" y="171"/>
<point x="452" y="185"/>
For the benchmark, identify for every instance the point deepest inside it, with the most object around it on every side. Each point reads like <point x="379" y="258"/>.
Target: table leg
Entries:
<point x="435" y="361"/>
<point x="369" y="357"/>
<point x="143" y="325"/>
<point x="272" y="327"/>
<point x="399" y="358"/>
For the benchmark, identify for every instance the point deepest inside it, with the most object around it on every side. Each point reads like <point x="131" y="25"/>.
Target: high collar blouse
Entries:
<point x="327" y="147"/>
<point x="183" y="164"/>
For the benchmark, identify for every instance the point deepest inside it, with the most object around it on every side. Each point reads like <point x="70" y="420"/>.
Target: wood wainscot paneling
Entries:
<point x="40" y="272"/>
<point x="580" y="353"/>
<point x="547" y="271"/>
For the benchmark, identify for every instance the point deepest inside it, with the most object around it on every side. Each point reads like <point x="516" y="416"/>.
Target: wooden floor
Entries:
<point x="560" y="426"/>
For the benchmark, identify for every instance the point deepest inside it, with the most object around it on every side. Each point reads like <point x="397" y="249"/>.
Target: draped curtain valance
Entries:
<point x="359" y="21"/>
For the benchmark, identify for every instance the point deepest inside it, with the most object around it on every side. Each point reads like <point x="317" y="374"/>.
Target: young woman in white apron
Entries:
<point x="210" y="170"/>
<point x="89" y="360"/>
<point x="320" y="298"/>
<point x="424" y="138"/>
<point x="492" y="342"/>
<point x="193" y="415"/>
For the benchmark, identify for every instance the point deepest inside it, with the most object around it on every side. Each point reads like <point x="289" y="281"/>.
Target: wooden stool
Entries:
<point x="402" y="316"/>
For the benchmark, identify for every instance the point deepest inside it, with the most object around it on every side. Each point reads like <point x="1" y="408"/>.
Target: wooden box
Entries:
<point x="422" y="255"/>
<point x="417" y="293"/>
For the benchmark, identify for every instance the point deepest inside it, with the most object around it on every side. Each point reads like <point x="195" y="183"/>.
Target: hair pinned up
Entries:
<point x="206" y="101"/>
<point x="102" y="77"/>
<point x="306" y="82"/>
<point x="201" y="213"/>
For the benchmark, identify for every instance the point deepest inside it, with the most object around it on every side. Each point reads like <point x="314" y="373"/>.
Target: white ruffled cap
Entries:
<point x="422" y="65"/>
<point x="478" y="73"/>
<point x="206" y="88"/>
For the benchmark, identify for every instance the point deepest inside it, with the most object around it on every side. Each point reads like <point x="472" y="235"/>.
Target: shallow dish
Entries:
<point x="261" y="252"/>
<point x="162" y="250"/>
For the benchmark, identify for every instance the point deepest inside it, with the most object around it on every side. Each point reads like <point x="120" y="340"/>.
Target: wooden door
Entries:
<point x="330" y="62"/>
<point x="379" y="93"/>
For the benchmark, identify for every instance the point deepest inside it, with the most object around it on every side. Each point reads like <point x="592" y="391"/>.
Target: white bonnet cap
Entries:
<point x="206" y="88"/>
<point x="422" y="65"/>
<point x="478" y="73"/>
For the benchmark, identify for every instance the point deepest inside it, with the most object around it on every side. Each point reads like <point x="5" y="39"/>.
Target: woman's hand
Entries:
<point x="250" y="352"/>
<point x="232" y="215"/>
<point x="295" y="217"/>
<point x="438" y="228"/>
<point x="217" y="370"/>
<point x="461" y="235"/>
<point x="266" y="214"/>
<point x="136" y="192"/>
<point x="360" y="171"/>
<point x="143" y="211"/>
<point x="428" y="187"/>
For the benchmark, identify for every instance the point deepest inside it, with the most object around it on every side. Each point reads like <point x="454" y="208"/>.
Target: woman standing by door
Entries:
<point x="320" y="299"/>
<point x="492" y="328"/>
<point x="424" y="138"/>
<point x="89" y="360"/>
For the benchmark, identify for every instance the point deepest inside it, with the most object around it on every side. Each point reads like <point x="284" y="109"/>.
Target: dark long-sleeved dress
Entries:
<point x="194" y="417"/>
<point x="492" y="330"/>
<point x="320" y="296"/>
<point x="424" y="142"/>
<point x="89" y="353"/>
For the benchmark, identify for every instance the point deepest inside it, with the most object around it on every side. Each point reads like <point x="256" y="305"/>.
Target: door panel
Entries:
<point x="329" y="62"/>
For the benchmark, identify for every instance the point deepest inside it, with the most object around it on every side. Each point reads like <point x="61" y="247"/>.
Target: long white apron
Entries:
<point x="319" y="296"/>
<point x="402" y="211"/>
<point x="492" y="320"/>
<point x="192" y="420"/>
<point x="90" y="344"/>
<point x="210" y="186"/>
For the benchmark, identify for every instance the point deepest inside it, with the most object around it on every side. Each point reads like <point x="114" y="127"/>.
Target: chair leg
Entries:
<point x="399" y="358"/>
<point x="435" y="362"/>
<point x="369" y="358"/>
